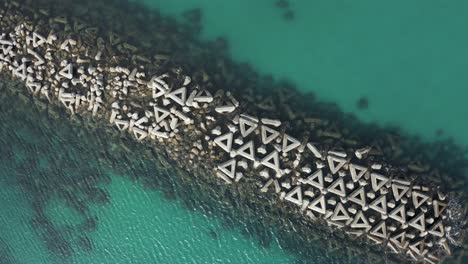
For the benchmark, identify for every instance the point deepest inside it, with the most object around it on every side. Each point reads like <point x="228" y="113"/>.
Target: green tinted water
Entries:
<point x="137" y="225"/>
<point x="142" y="227"/>
<point x="408" y="58"/>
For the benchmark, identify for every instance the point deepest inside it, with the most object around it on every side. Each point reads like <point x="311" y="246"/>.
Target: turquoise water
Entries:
<point x="408" y="60"/>
<point x="134" y="224"/>
<point x="142" y="227"/>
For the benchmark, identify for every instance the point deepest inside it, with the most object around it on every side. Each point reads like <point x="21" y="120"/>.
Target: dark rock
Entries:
<point x="282" y="3"/>
<point x="90" y="224"/>
<point x="213" y="234"/>
<point x="362" y="103"/>
<point x="85" y="243"/>
<point x="289" y="15"/>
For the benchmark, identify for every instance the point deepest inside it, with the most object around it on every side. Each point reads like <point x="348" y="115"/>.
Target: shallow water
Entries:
<point x="126" y="222"/>
<point x="133" y="225"/>
<point x="407" y="58"/>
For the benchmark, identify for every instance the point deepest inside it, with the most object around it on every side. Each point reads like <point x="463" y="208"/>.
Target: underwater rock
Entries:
<point x="194" y="17"/>
<point x="213" y="234"/>
<point x="90" y="224"/>
<point x="56" y="243"/>
<point x="282" y="3"/>
<point x="363" y="103"/>
<point x="98" y="196"/>
<point x="289" y="15"/>
<point x="6" y="256"/>
<point x="85" y="243"/>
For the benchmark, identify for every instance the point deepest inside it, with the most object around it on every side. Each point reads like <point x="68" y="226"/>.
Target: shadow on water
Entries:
<point x="6" y="257"/>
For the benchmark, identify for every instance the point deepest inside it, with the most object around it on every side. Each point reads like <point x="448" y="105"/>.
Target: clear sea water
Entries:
<point x="408" y="58"/>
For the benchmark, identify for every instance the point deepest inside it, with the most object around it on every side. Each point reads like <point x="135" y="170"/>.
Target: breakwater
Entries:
<point x="235" y="136"/>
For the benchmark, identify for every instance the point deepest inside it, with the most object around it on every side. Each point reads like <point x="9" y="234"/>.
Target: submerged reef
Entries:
<point x="320" y="175"/>
<point x="5" y="253"/>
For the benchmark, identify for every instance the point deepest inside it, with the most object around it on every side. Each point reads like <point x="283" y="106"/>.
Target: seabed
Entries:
<point x="249" y="141"/>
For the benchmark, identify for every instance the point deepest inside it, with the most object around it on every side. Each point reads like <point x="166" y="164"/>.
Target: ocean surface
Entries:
<point x="397" y="62"/>
<point x="121" y="221"/>
<point x="407" y="58"/>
